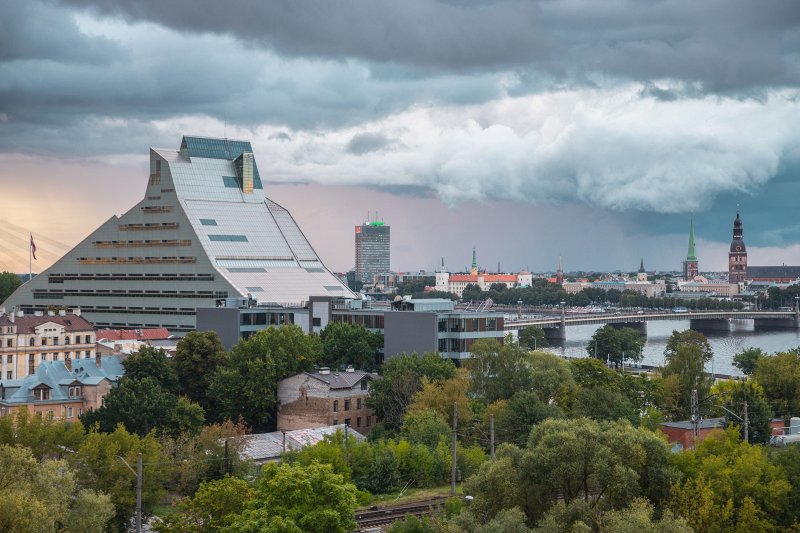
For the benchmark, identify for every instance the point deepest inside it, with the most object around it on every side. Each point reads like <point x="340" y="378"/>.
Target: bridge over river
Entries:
<point x="555" y="326"/>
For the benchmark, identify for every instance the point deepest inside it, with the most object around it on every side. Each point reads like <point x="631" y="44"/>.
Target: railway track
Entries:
<point x="373" y="519"/>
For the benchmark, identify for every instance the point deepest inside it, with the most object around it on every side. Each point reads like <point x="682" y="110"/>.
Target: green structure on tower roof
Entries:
<point x="474" y="258"/>
<point x="691" y="255"/>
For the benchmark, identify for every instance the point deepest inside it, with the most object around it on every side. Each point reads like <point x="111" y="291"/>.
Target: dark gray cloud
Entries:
<point x="724" y="44"/>
<point x="364" y="143"/>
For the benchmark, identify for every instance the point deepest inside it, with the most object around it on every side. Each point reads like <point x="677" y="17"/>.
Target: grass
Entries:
<point x="412" y="495"/>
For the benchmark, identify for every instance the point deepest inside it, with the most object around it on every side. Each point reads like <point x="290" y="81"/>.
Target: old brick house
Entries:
<point x="325" y="398"/>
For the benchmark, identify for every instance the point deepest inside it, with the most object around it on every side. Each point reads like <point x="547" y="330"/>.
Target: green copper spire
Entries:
<point x="474" y="258"/>
<point x="691" y="254"/>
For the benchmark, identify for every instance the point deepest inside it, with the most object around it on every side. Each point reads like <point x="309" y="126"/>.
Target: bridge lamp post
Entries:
<point x="519" y="314"/>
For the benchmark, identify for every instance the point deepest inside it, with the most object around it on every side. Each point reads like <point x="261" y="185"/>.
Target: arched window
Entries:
<point x="33" y="341"/>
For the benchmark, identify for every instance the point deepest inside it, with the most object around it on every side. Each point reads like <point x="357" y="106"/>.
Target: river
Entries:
<point x="724" y="344"/>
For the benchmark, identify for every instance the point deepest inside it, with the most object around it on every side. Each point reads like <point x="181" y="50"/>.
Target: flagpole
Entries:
<point x="30" y="259"/>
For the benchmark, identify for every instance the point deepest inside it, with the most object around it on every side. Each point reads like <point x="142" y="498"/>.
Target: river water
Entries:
<point x="724" y="344"/>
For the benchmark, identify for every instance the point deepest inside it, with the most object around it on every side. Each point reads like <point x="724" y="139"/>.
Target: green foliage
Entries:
<point x="426" y="427"/>
<point x="532" y="338"/>
<point x="45" y="438"/>
<point x="246" y="386"/>
<point x="311" y="499"/>
<point x="779" y="374"/>
<point x="149" y="362"/>
<point x="43" y="496"/>
<point x="143" y="405"/>
<point x="601" y="403"/>
<point x="441" y="396"/>
<point x="101" y="469"/>
<point x="401" y="379"/>
<point x="348" y="344"/>
<point x="605" y="464"/>
<point x="8" y="284"/>
<point x="215" y="505"/>
<point x="415" y="286"/>
<point x="197" y="357"/>
<point x="729" y="485"/>
<point x="552" y="378"/>
<point x="732" y="395"/>
<point x="788" y="460"/>
<point x="688" y="337"/>
<point x="497" y="370"/>
<point x="506" y="521"/>
<point x="515" y="418"/>
<point x="684" y="372"/>
<point x="638" y="518"/>
<point x="747" y="360"/>
<point x="412" y="524"/>
<point x="612" y="344"/>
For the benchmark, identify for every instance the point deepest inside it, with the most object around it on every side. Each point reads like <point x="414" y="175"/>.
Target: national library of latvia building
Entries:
<point x="205" y="231"/>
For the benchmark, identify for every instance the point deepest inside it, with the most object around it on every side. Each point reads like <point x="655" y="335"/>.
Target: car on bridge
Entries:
<point x="680" y="310"/>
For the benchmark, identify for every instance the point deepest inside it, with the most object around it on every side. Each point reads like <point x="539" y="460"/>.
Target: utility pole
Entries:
<point x="695" y="418"/>
<point x="346" y="447"/>
<point x="746" y="424"/>
<point x="491" y="436"/>
<point x="139" y="494"/>
<point x="227" y="464"/>
<point x="455" y="437"/>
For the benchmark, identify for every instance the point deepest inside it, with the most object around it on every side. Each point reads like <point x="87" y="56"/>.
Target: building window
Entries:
<point x="86" y="354"/>
<point x="229" y="238"/>
<point x="317" y="321"/>
<point x="55" y="341"/>
<point x="80" y="411"/>
<point x="369" y="421"/>
<point x="44" y="341"/>
<point x="9" y="343"/>
<point x="88" y="339"/>
<point x="335" y="405"/>
<point x="32" y="342"/>
<point x="41" y="394"/>
<point x="358" y="403"/>
<point x="364" y="384"/>
<point x="358" y="421"/>
<point x="69" y="412"/>
<point x="43" y="357"/>
<point x="347" y="405"/>
<point x="208" y="222"/>
<point x="9" y="358"/>
<point x="74" y="392"/>
<point x="335" y="422"/>
<point x="66" y="339"/>
<point x="51" y="414"/>
<point x="346" y="421"/>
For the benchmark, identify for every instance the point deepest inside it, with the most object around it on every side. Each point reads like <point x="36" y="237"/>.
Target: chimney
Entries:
<point x="68" y="363"/>
<point x="98" y="359"/>
<point x="20" y="313"/>
<point x="51" y="313"/>
<point x="62" y="312"/>
<point x="349" y="368"/>
<point x="2" y="311"/>
<point x="11" y="317"/>
<point x="324" y="370"/>
<point x="38" y="313"/>
<point x="76" y="311"/>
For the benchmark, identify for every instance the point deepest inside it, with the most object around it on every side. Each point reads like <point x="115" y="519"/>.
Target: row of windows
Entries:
<point x="54" y="342"/>
<point x="368" y="321"/>
<point x="61" y="278"/>
<point x="142" y="243"/>
<point x="157" y="209"/>
<point x="347" y="403"/>
<point x="347" y="421"/>
<point x="266" y="319"/>
<point x="43" y="294"/>
<point x="229" y="238"/>
<point x="148" y="226"/>
<point x="208" y="222"/>
<point x="136" y="260"/>
<point x="469" y="324"/>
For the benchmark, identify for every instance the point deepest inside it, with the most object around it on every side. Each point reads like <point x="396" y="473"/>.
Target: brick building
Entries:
<point x="324" y="398"/>
<point x="26" y="341"/>
<point x="681" y="436"/>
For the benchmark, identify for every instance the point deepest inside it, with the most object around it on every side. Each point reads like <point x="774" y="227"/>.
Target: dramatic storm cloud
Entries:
<point x="642" y="110"/>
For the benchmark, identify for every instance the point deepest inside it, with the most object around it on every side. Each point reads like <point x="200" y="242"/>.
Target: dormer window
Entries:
<point x="41" y="394"/>
<point x="75" y="391"/>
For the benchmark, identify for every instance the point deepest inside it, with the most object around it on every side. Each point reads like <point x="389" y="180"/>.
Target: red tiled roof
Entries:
<point x="469" y="278"/>
<point x="28" y="323"/>
<point x="145" y="334"/>
<point x="500" y="278"/>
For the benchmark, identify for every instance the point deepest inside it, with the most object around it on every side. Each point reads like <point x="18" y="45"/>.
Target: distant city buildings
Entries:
<point x="456" y="283"/>
<point x="372" y="250"/>
<point x="651" y="289"/>
<point x="739" y="270"/>
<point x="204" y="231"/>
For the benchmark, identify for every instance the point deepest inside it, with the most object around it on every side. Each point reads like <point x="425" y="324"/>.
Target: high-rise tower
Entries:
<point x="474" y="269"/>
<point x="372" y="250"/>
<point x="690" y="269"/>
<point x="737" y="256"/>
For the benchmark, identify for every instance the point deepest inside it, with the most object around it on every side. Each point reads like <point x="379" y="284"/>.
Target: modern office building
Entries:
<point x="205" y="230"/>
<point x="372" y="250"/>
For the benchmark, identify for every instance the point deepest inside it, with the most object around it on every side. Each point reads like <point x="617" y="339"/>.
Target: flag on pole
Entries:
<point x="33" y="247"/>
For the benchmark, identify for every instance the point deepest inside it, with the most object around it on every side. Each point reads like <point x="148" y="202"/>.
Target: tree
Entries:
<point x="729" y="485"/>
<point x="688" y="337"/>
<point x="747" y="360"/>
<point x="215" y="505"/>
<point x="552" y="379"/>
<point x="246" y="386"/>
<point x="779" y="375"/>
<point x="43" y="496"/>
<point x="532" y="338"/>
<point x="299" y="498"/>
<point x="401" y="378"/>
<point x="498" y="370"/>
<point x="612" y="344"/>
<point x="149" y="362"/>
<point x="348" y="344"/>
<point x="683" y="373"/>
<point x="600" y="403"/>
<point x="8" y="284"/>
<point x="440" y="396"/>
<point x="732" y="395"/>
<point x="102" y="469"/>
<point x="515" y="418"/>
<point x="44" y="438"/>
<point x="426" y="427"/>
<point x="197" y="357"/>
<point x="143" y="405"/>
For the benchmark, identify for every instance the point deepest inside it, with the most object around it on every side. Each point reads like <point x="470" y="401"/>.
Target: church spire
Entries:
<point x="691" y="255"/>
<point x="560" y="272"/>
<point x="474" y="269"/>
<point x="641" y="265"/>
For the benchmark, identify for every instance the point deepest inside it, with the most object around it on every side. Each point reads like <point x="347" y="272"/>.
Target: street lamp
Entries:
<point x="138" y="474"/>
<point x="519" y="314"/>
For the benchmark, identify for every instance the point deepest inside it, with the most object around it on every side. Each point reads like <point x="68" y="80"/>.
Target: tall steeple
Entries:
<point x="474" y="269"/>
<point x="641" y="265"/>
<point x="560" y="272"/>
<point x="737" y="255"/>
<point x="690" y="267"/>
<point x="642" y="274"/>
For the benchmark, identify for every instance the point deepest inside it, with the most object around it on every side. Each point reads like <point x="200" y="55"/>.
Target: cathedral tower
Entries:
<point x="737" y="256"/>
<point x="690" y="268"/>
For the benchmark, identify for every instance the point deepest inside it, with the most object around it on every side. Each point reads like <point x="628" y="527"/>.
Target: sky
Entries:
<point x="528" y="129"/>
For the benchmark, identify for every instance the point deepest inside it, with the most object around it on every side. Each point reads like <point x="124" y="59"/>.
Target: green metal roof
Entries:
<point x="691" y="255"/>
